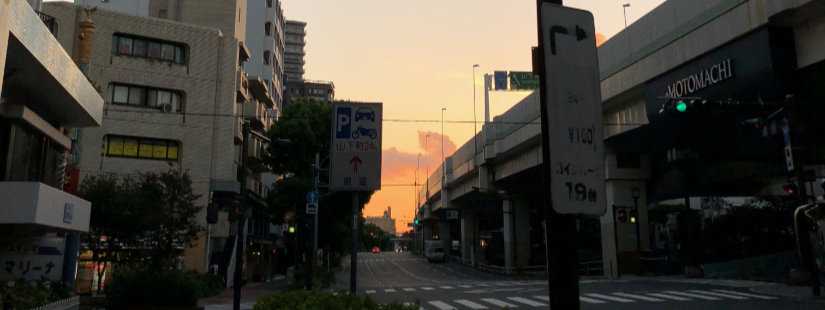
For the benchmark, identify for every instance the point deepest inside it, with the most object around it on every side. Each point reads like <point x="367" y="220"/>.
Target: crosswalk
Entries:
<point x="600" y="299"/>
<point x="504" y="284"/>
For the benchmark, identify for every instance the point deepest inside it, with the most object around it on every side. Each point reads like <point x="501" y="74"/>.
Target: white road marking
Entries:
<point x="690" y="295"/>
<point x="441" y="305"/>
<point x="370" y="291"/>
<point x="409" y="289"/>
<point x="589" y="300"/>
<point x="672" y="295"/>
<point x="499" y="303"/>
<point x="427" y="288"/>
<point x="465" y="286"/>
<point x="390" y="290"/>
<point x="746" y="294"/>
<point x="446" y="287"/>
<point x="545" y="298"/>
<point x="470" y="304"/>
<point x="527" y="301"/>
<point x="719" y="294"/>
<point x="640" y="297"/>
<point x="503" y="284"/>
<point x="611" y="298"/>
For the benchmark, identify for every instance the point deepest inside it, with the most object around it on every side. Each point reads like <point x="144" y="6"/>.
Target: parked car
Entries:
<point x="435" y="251"/>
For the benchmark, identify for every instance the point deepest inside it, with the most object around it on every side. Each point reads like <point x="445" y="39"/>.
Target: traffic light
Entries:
<point x="371" y="234"/>
<point x="790" y="189"/>
<point x="681" y="106"/>
<point x="633" y="216"/>
<point x="621" y="215"/>
<point x="416" y="221"/>
<point x="291" y="229"/>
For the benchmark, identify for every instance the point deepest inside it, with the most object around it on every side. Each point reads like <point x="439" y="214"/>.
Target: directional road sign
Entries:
<point x="523" y="81"/>
<point x="573" y="111"/>
<point x="500" y="78"/>
<point x="355" y="159"/>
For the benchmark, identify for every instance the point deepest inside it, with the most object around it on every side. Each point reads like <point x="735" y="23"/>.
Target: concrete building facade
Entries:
<point x="43" y="96"/>
<point x="265" y="25"/>
<point x="295" y="40"/>
<point x="385" y="222"/>
<point x="178" y="89"/>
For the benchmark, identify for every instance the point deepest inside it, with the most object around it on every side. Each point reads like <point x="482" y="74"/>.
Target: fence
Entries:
<point x="65" y="304"/>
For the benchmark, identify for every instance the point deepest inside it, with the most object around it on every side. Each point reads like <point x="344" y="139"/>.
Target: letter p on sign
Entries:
<point x="343" y="123"/>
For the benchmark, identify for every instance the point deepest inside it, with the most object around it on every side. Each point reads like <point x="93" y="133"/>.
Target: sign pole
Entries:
<point x="354" y="251"/>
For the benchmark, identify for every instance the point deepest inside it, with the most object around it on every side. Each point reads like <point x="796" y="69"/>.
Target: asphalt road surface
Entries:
<point x="405" y="278"/>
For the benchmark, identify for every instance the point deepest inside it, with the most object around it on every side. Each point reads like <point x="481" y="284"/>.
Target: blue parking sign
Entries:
<point x="343" y="122"/>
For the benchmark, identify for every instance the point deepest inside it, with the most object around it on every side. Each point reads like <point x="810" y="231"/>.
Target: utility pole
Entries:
<point x="239" y="247"/>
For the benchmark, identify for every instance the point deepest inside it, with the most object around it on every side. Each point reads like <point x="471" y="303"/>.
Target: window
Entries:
<point x="268" y="29"/>
<point x="142" y="96"/>
<point x="269" y="3"/>
<point x="137" y="147"/>
<point x="149" y="48"/>
<point x="266" y="57"/>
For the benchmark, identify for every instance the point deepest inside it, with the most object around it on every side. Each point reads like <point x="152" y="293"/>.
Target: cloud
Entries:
<point x="399" y="167"/>
<point x="599" y="39"/>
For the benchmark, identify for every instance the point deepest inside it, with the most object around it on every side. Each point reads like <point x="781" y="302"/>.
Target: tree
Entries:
<point x="140" y="220"/>
<point x="307" y="125"/>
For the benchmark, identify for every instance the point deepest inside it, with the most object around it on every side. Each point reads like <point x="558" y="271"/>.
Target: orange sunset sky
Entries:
<point x="417" y="57"/>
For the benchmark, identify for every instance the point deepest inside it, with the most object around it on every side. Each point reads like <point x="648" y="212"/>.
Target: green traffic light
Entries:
<point x="292" y="229"/>
<point x="416" y="222"/>
<point x="681" y="106"/>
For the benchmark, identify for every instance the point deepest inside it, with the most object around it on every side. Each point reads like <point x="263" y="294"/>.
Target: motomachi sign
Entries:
<point x="700" y="80"/>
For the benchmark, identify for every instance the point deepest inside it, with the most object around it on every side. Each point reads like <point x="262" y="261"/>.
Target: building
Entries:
<point x="732" y="62"/>
<point x="385" y="222"/>
<point x="176" y="86"/>
<point x="265" y="25"/>
<point x="295" y="42"/>
<point x="322" y="91"/>
<point x="43" y="96"/>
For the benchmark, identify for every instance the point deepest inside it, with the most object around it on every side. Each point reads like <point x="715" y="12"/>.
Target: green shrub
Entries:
<point x="165" y="288"/>
<point x="315" y="300"/>
<point x="22" y="294"/>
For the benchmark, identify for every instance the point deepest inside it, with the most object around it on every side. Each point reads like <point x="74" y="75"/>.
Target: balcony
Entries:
<point x="49" y="21"/>
<point x="242" y="86"/>
<point x="255" y="153"/>
<point x="255" y="112"/>
<point x="239" y="131"/>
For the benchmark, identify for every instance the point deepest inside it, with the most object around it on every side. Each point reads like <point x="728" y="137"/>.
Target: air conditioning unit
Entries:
<point x="168" y="108"/>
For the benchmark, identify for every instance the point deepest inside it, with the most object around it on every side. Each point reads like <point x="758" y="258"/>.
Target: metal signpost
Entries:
<point x="572" y="137"/>
<point x="355" y="159"/>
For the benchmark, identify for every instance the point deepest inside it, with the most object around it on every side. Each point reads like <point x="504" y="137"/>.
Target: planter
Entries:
<point x="800" y="277"/>
<point x="693" y="272"/>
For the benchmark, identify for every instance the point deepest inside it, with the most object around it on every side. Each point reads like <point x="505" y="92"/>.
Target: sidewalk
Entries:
<point x="249" y="294"/>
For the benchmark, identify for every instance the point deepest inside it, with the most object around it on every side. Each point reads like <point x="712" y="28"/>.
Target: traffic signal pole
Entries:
<point x="354" y="251"/>
<point x="560" y="229"/>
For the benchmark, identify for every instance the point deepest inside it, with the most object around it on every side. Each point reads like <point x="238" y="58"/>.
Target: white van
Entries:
<point x="435" y="251"/>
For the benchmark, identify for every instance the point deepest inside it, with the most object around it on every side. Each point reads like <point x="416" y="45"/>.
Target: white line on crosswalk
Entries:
<point x="667" y="296"/>
<point x="634" y="296"/>
<point x="370" y="291"/>
<point x="611" y="298"/>
<point x="527" y="301"/>
<point x="465" y="286"/>
<point x="409" y="289"/>
<point x="447" y="287"/>
<point x="690" y="295"/>
<point x="390" y="290"/>
<point x="746" y="294"/>
<point x="427" y="288"/>
<point x="503" y="284"/>
<point x="483" y="284"/>
<point x="470" y="304"/>
<point x="441" y="305"/>
<point x="499" y="303"/>
<point x="719" y="294"/>
<point x="545" y="298"/>
<point x="590" y="300"/>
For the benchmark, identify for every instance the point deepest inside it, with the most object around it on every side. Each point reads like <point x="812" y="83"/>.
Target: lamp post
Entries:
<point x="427" y="160"/>
<point x="475" y="128"/>
<point x="624" y="8"/>
<point x="443" y="168"/>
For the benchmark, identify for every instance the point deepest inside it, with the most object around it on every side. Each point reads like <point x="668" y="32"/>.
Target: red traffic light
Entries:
<point x="371" y="234"/>
<point x="621" y="216"/>
<point x="790" y="189"/>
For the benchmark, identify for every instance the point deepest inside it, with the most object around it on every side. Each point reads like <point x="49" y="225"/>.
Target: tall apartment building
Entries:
<point x="295" y="39"/>
<point x="265" y="39"/>
<point x="43" y="95"/>
<point x="176" y="95"/>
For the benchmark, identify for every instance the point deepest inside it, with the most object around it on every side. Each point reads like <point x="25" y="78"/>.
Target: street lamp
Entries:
<point x="427" y="160"/>
<point x="443" y="170"/>
<point x="624" y="8"/>
<point x="475" y="129"/>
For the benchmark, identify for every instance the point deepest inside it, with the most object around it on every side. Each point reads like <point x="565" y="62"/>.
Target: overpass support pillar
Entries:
<point x="509" y="240"/>
<point x="521" y="217"/>
<point x="444" y="235"/>
<point x="619" y="239"/>
<point x="468" y="237"/>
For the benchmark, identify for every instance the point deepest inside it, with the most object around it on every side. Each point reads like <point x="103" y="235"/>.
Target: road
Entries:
<point x="403" y="277"/>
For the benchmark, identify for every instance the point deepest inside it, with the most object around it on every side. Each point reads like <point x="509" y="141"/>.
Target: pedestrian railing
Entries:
<point x="591" y="268"/>
<point x="65" y="304"/>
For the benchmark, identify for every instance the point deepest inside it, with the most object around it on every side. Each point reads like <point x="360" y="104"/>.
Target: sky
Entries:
<point x="416" y="57"/>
